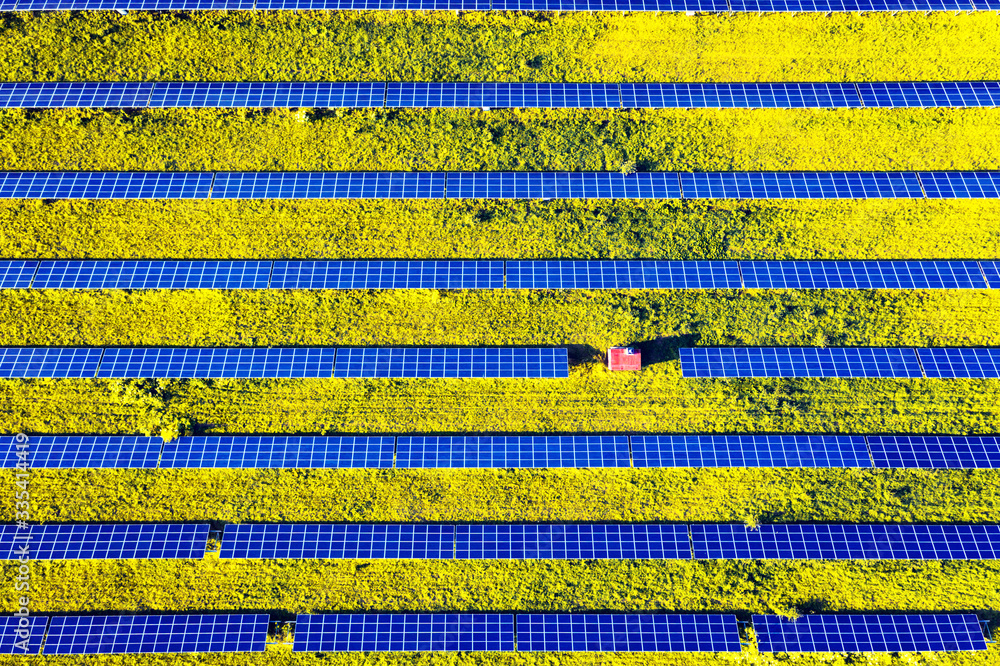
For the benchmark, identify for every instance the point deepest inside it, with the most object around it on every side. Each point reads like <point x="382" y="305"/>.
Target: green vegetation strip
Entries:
<point x="429" y="46"/>
<point x="834" y="229"/>
<point x="455" y="140"/>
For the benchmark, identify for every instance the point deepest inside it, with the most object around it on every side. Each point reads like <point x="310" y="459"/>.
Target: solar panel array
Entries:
<point x="800" y="362"/>
<point x="498" y="185"/>
<point x="120" y="363"/>
<point x="960" y="362"/>
<point x="863" y="275"/>
<point x="408" y="632"/>
<point x="623" y="275"/>
<point x="28" y="642"/>
<point x="935" y="452"/>
<point x="425" y="452"/>
<point x="482" y="362"/>
<point x="332" y="541"/>
<point x="279" y="451"/>
<point x="329" y="94"/>
<point x="754" y="6"/>
<point x="750" y="451"/>
<point x="87" y="451"/>
<point x="470" y="274"/>
<point x="107" y="541"/>
<point x="869" y="633"/>
<point x="627" y="633"/>
<point x="525" y="542"/>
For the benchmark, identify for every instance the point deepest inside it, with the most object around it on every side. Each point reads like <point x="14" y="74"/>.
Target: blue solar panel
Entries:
<point x="930" y="93"/>
<point x="842" y="542"/>
<point x="59" y="362"/>
<point x="452" y="632"/>
<point x="419" y="5"/>
<point x="17" y="273"/>
<point x="208" y="362"/>
<point x="312" y="94"/>
<point x="269" y="451"/>
<point x="623" y="275"/>
<point x="387" y="275"/>
<point x="22" y="635"/>
<point x="147" y="274"/>
<point x="611" y="5"/>
<point x="585" y="542"/>
<point x="562" y="185"/>
<point x="739" y="95"/>
<point x="330" y="541"/>
<point x="869" y="633"/>
<point x="991" y="269"/>
<point x="63" y="95"/>
<point x="799" y="362"/>
<point x="848" y="5"/>
<point x="862" y="275"/>
<point x="103" y="185"/>
<point x="156" y="634"/>
<point x="116" y="541"/>
<point x="329" y="185"/>
<point x="800" y="185"/>
<point x="423" y="452"/>
<point x="482" y="362"/>
<point x="627" y="633"/>
<point x="961" y="184"/>
<point x="504" y="95"/>
<point x="749" y="451"/>
<point x="958" y="363"/>
<point x="132" y="5"/>
<point x="87" y="451"/>
<point x="935" y="452"/>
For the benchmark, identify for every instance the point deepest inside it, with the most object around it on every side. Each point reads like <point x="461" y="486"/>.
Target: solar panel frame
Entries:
<point x="17" y="273"/>
<point x="812" y="451"/>
<point x="511" y="451"/>
<point x="34" y="625"/>
<point x="62" y="94"/>
<point x="869" y="633"/>
<point x="279" y="452"/>
<point x="152" y="274"/>
<point x="739" y="96"/>
<point x="502" y="95"/>
<point x="369" y="5"/>
<point x="800" y="362"/>
<point x="593" y="632"/>
<point x="611" y="5"/>
<point x="562" y="185"/>
<point x="862" y="275"/>
<point x="87" y="452"/>
<point x="572" y="541"/>
<point x="960" y="362"/>
<point x="801" y="185"/>
<point x="132" y="5"/>
<point x="338" y="541"/>
<point x="213" y="362"/>
<point x="623" y="274"/>
<point x="960" y="184"/>
<point x="388" y="274"/>
<point x="930" y="94"/>
<point x="827" y="6"/>
<point x="104" y="185"/>
<point x="328" y="185"/>
<point x="102" y="541"/>
<point x="382" y="632"/>
<point x="52" y="362"/>
<point x="935" y="452"/>
<point x="991" y="269"/>
<point x="452" y="362"/>
<point x="156" y="634"/>
<point x="268" y="94"/>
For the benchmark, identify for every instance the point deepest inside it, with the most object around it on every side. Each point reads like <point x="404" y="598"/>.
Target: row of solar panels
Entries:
<point x="502" y="451"/>
<point x="893" y="94"/>
<point x="486" y="274"/>
<point x="504" y="541"/>
<point x="498" y="185"/>
<point x="525" y="632"/>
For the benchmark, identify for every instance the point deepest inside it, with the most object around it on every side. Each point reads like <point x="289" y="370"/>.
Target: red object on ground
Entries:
<point x="624" y="358"/>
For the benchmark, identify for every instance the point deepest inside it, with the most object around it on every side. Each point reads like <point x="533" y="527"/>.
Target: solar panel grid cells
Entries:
<point x="76" y="274"/>
<point x="992" y="271"/>
<point x="799" y="362"/>
<point x="22" y="635"/>
<point x="632" y="541"/>
<point x="749" y="451"/>
<point x="929" y="94"/>
<point x="388" y="275"/>
<point x="935" y="452"/>
<point x="562" y="185"/>
<point x="739" y="95"/>
<point x="72" y="95"/>
<point x="800" y="185"/>
<point x="862" y="275"/>
<point x="217" y="363"/>
<point x="17" y="273"/>
<point x="338" y="541"/>
<point x="57" y="362"/>
<point x="104" y="185"/>
<point x="869" y="633"/>
<point x="424" y="452"/>
<point x="310" y="94"/>
<point x="111" y="541"/>
<point x="405" y="632"/>
<point x="627" y="633"/>
<point x="623" y="275"/>
<point x="484" y="362"/>
<point x="156" y="634"/>
<point x="278" y="452"/>
<point x="951" y="363"/>
<point x="961" y="184"/>
<point x="329" y="185"/>
<point x="88" y="451"/>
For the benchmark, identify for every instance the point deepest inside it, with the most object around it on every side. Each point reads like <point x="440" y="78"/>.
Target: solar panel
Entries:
<point x="862" y="275"/>
<point x="562" y="185"/>
<point x="156" y="634"/>
<point x="338" y="541"/>
<point x="928" y="94"/>
<point x="467" y="362"/>
<point x="17" y="273"/>
<point x="623" y="275"/>
<point x="935" y="452"/>
<point x="504" y="95"/>
<point x="284" y="452"/>
<point x="849" y="5"/>
<point x="958" y="363"/>
<point x="869" y="633"/>
<point x="961" y="184"/>
<point x="611" y="5"/>
<point x="463" y="5"/>
<point x="992" y="271"/>
<point x="589" y="632"/>
<point x="114" y="541"/>
<point x="145" y="274"/>
<point x="575" y="542"/>
<point x="311" y="94"/>
<point x="799" y="362"/>
<point x="164" y="362"/>
<point x="739" y="95"/>
<point x="842" y="542"/>
<point x="355" y="632"/>
<point x="103" y="185"/>
<point x="329" y="185"/>
<point x="22" y="635"/>
<point x="58" y="362"/>
<point x="132" y="5"/>
<point x="387" y="275"/>
<point x="87" y="452"/>
<point x="801" y="185"/>
<point x="749" y="451"/>
<point x="68" y="95"/>
<point x="426" y="452"/>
